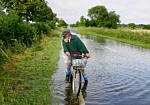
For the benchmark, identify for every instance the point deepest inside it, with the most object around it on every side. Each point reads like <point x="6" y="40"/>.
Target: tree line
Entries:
<point x="135" y="26"/>
<point x="99" y="16"/>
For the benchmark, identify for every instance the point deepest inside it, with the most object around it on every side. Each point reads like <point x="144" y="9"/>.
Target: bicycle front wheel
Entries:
<point x="77" y="82"/>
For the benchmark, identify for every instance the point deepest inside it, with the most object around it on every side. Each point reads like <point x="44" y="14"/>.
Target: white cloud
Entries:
<point x="136" y="11"/>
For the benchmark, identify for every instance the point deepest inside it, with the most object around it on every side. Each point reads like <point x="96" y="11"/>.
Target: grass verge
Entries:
<point x="26" y="81"/>
<point x="123" y="35"/>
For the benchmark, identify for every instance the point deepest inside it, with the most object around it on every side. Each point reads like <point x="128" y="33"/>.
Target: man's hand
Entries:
<point x="88" y="55"/>
<point x="68" y="53"/>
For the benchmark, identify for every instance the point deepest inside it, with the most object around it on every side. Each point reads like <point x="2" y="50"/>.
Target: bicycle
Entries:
<point x="77" y="64"/>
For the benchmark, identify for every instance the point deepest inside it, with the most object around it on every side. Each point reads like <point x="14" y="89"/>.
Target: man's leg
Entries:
<point x="68" y="69"/>
<point x="84" y="75"/>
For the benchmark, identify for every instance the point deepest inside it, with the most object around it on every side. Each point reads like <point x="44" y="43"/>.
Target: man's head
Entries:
<point x="66" y="33"/>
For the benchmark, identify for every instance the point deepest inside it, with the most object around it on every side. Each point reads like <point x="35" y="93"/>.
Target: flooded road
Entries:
<point x="118" y="73"/>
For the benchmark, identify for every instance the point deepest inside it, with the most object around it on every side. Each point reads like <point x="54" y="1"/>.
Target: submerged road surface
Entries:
<point x="118" y="73"/>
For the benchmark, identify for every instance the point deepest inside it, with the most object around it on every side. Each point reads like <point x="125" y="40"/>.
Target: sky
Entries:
<point x="130" y="11"/>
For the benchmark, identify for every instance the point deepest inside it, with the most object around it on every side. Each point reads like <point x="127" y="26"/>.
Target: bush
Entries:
<point x="16" y="35"/>
<point x="25" y="33"/>
<point x="146" y="27"/>
<point x="45" y="28"/>
<point x="8" y="27"/>
<point x="132" y="25"/>
<point x="42" y="28"/>
<point x="52" y="25"/>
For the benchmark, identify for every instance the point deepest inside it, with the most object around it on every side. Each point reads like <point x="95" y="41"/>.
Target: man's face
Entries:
<point x="67" y="36"/>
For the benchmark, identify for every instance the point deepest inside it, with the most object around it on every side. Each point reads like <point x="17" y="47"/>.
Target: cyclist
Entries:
<point x="73" y="45"/>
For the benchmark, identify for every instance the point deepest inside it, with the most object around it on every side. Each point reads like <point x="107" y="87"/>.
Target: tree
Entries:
<point x="21" y="7"/>
<point x="30" y="10"/>
<point x="77" y="23"/>
<point x="146" y="27"/>
<point x="82" y="21"/>
<point x="87" y="23"/>
<point x="62" y="23"/>
<point x="113" y="20"/>
<point x="98" y="15"/>
<point x="1" y="12"/>
<point x="131" y="25"/>
<point x="41" y="12"/>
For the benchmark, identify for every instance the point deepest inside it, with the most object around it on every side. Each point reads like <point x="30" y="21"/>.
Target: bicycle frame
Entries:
<point x="76" y="77"/>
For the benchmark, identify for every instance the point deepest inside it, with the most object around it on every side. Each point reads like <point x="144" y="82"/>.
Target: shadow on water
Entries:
<point x="73" y="99"/>
<point x="95" y="38"/>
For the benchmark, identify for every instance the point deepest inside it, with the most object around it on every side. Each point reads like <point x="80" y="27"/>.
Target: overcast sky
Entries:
<point x="137" y="11"/>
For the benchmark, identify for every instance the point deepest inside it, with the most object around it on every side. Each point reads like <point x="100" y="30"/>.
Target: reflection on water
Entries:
<point x="95" y="38"/>
<point x="72" y="99"/>
<point x="118" y="74"/>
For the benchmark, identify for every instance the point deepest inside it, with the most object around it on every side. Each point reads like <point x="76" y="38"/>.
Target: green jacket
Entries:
<point x="75" y="44"/>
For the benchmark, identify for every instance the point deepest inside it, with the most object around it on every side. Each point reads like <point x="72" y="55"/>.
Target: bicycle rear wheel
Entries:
<point x="76" y="82"/>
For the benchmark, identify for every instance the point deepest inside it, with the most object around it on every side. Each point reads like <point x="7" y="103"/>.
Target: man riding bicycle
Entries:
<point x="73" y="45"/>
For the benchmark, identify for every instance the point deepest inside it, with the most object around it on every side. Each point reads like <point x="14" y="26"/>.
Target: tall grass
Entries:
<point x="125" y="35"/>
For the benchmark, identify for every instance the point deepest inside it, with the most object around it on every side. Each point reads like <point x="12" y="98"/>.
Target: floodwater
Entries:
<point x="118" y="73"/>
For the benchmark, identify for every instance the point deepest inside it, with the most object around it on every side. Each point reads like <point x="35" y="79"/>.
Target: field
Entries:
<point x="142" y="30"/>
<point x="134" y="37"/>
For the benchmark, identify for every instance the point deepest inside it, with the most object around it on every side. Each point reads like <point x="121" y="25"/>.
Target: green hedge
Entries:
<point x="16" y="35"/>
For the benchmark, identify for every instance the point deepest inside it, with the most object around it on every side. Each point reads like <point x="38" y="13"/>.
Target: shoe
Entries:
<point x="67" y="79"/>
<point x="86" y="82"/>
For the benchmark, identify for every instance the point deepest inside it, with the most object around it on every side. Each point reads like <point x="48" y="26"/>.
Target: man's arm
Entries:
<point x="82" y="47"/>
<point x="66" y="51"/>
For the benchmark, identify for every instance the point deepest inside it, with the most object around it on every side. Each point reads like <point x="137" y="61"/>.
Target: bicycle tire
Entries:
<point x="76" y="84"/>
